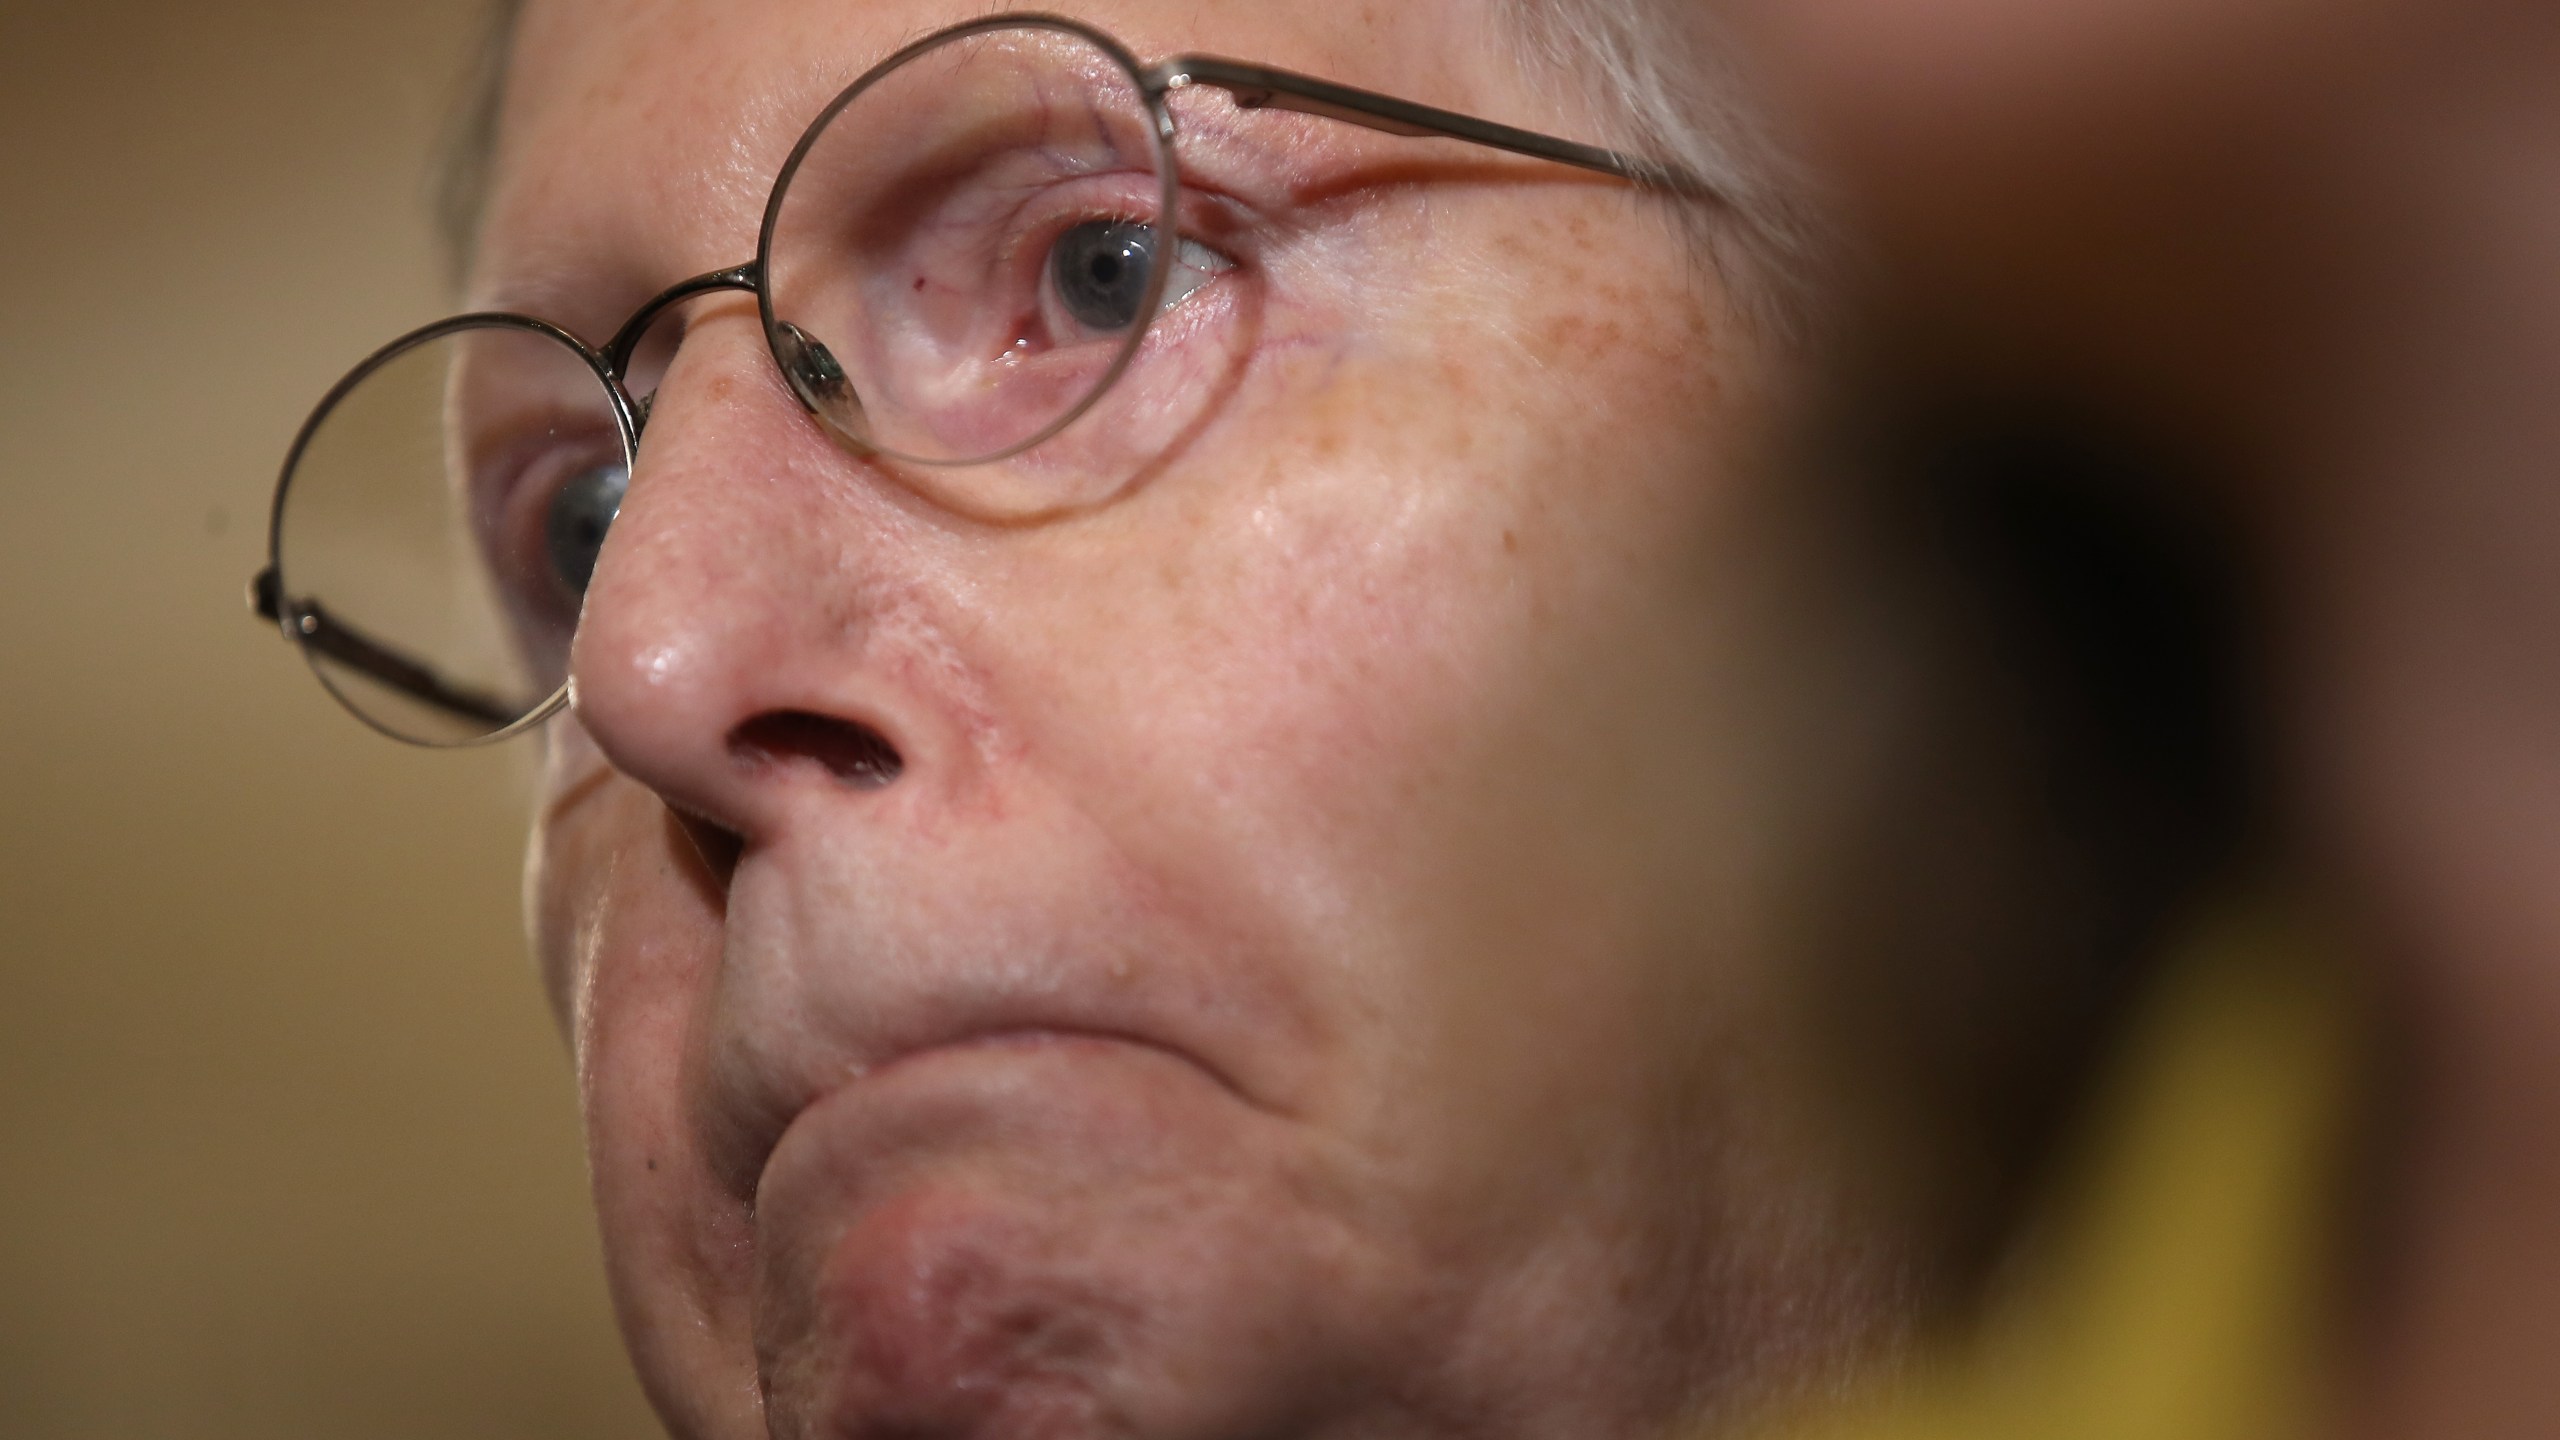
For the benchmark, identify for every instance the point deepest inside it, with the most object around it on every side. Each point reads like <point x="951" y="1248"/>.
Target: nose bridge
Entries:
<point x="728" y="655"/>
<point x="626" y="341"/>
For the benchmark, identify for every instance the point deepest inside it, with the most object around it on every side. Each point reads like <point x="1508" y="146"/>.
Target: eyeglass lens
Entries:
<point x="962" y="257"/>
<point x="440" y="524"/>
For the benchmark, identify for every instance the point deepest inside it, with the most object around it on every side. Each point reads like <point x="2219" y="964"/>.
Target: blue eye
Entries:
<point x="574" y="529"/>
<point x="1100" y="269"/>
<point x="1099" y="272"/>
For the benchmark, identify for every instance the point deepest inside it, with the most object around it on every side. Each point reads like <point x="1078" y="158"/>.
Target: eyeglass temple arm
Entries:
<point x="351" y="647"/>
<point x="1258" y="87"/>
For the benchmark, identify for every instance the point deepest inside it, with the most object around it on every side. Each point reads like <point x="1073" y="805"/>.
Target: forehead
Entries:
<point x="639" y="138"/>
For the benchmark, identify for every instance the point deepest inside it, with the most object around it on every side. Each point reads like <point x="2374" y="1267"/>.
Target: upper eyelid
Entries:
<point x="499" y="471"/>
<point x="1205" y="215"/>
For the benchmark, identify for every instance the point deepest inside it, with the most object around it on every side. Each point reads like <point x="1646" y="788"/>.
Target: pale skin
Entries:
<point x="2322" y="243"/>
<point x="1303" y="978"/>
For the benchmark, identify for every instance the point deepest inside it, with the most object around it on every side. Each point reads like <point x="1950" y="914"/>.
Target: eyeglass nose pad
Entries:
<point x="816" y="377"/>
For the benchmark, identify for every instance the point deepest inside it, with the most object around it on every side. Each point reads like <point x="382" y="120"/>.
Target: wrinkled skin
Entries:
<point x="1304" y="977"/>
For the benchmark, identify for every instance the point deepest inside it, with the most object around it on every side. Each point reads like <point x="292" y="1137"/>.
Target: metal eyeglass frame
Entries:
<point x="1251" y="87"/>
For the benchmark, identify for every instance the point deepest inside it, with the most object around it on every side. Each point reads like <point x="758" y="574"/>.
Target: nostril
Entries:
<point x="852" y="752"/>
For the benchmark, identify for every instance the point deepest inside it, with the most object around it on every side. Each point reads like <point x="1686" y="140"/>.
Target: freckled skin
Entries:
<point x="1332" y="844"/>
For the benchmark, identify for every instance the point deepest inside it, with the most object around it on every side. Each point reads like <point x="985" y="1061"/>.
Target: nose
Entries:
<point x="746" y="633"/>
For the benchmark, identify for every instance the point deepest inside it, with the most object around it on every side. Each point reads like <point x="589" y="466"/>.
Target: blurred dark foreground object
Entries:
<point x="2313" y="244"/>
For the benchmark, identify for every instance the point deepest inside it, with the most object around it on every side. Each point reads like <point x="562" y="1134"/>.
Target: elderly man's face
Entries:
<point x="1294" y="980"/>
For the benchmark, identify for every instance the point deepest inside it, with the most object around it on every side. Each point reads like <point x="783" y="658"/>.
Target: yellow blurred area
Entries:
<point x="287" y="1146"/>
<point x="2179" y="1284"/>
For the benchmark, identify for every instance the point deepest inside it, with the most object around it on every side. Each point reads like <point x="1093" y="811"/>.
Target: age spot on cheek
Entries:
<point x="1576" y="339"/>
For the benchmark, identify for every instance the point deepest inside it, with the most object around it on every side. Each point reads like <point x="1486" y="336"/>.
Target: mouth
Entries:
<point x="967" y="1066"/>
<point x="1021" y="1039"/>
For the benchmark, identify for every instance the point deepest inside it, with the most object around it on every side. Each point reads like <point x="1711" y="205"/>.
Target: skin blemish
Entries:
<point x="1457" y="379"/>
<point x="1576" y="338"/>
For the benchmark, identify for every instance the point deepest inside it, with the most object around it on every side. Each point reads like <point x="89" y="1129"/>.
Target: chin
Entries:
<point x="1055" y="1235"/>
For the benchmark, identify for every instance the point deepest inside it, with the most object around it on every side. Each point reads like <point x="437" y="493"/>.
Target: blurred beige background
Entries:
<point x="287" y="1147"/>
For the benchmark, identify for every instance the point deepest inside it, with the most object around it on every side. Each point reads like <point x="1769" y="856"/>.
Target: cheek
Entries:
<point x="1389" y="677"/>
<point x="625" y="920"/>
<point x="628" y="927"/>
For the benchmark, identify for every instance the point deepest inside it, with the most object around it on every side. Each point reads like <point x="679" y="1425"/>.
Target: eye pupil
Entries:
<point x="1100" y="270"/>
<point x="581" y="513"/>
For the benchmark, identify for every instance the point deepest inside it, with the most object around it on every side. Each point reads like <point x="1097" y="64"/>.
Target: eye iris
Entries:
<point x="581" y="513"/>
<point x="1100" y="269"/>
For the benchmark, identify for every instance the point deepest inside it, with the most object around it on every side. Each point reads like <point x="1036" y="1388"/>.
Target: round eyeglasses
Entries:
<point x="963" y="255"/>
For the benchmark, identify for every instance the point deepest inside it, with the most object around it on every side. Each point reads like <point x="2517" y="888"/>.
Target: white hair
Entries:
<point x="1660" y="75"/>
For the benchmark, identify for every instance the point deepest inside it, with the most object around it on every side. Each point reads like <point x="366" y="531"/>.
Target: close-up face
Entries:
<point x="1231" y="921"/>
